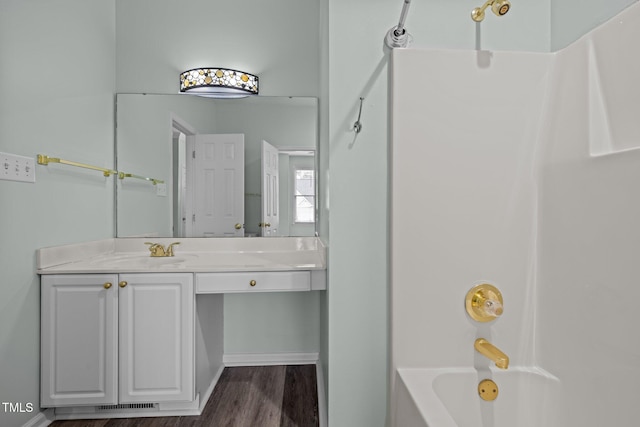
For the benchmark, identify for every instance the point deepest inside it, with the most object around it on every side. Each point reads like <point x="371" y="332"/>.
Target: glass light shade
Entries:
<point x="218" y="83"/>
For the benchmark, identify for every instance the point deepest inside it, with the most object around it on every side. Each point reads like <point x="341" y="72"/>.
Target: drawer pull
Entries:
<point x="107" y="285"/>
<point x="253" y="283"/>
<point x="122" y="284"/>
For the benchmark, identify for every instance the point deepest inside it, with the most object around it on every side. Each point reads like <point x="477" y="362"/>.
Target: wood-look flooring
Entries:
<point x="252" y="396"/>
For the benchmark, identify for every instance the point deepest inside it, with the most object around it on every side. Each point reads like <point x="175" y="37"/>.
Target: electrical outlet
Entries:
<point x="17" y="168"/>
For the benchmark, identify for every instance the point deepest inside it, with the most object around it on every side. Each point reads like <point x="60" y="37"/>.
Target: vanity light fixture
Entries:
<point x="218" y="83"/>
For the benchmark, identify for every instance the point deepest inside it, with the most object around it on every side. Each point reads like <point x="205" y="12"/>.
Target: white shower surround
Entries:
<point x="522" y="169"/>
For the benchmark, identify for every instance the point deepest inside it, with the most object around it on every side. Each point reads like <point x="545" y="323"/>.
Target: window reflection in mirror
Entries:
<point x="156" y="136"/>
<point x="304" y="196"/>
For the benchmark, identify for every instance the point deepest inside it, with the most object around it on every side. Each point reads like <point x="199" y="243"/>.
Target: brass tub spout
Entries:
<point x="492" y="352"/>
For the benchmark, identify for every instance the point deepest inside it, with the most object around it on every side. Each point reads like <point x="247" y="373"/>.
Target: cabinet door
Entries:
<point x="156" y="337"/>
<point x="79" y="344"/>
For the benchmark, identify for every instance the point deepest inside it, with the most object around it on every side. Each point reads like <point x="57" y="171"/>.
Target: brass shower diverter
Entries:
<point x="484" y="303"/>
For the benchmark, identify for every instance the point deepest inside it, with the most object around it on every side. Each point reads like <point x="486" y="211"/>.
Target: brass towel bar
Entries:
<point x="45" y="160"/>
<point x="154" y="181"/>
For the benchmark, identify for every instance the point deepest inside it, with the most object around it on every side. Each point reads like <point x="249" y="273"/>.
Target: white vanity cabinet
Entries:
<point x="79" y="340"/>
<point x="110" y="339"/>
<point x="124" y="334"/>
<point x="156" y="340"/>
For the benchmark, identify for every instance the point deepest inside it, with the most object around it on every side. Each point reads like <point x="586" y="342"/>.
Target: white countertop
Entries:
<point x="130" y="255"/>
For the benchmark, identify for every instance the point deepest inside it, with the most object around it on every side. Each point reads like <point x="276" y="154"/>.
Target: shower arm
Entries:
<point x="398" y="36"/>
<point x="399" y="30"/>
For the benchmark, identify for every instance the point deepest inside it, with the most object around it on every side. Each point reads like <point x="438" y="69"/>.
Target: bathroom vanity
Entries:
<point x="126" y="333"/>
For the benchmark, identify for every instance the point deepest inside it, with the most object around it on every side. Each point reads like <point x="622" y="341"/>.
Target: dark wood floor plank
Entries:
<point x="121" y="422"/>
<point x="80" y="423"/>
<point x="222" y="391"/>
<point x="144" y="422"/>
<point x="249" y="396"/>
<point x="265" y="402"/>
<point x="253" y="396"/>
<point x="300" y="399"/>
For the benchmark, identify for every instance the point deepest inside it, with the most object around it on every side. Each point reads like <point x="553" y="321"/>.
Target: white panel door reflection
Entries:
<point x="270" y="190"/>
<point x="216" y="203"/>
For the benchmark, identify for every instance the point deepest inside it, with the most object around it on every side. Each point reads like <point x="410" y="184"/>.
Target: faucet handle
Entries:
<point x="493" y="307"/>
<point x="169" y="251"/>
<point x="484" y="303"/>
<point x="156" y="249"/>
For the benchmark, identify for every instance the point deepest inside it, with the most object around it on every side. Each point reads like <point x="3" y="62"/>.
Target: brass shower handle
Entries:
<point x="484" y="303"/>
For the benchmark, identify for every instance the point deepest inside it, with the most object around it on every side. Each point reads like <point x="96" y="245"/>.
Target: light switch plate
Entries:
<point x="17" y="168"/>
<point x="161" y="189"/>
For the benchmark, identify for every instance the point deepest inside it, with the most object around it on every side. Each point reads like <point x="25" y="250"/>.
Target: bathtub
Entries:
<point x="448" y="397"/>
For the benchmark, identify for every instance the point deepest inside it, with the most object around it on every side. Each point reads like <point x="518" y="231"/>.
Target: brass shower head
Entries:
<point x="499" y="7"/>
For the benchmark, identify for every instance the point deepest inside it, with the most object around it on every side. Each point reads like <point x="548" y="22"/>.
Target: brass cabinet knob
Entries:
<point x="253" y="283"/>
<point x="238" y="226"/>
<point x="122" y="284"/>
<point x="264" y="224"/>
<point x="107" y="285"/>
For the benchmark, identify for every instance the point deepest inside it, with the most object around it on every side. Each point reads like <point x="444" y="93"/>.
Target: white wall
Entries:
<point x="570" y="19"/>
<point x="277" y="40"/>
<point x="57" y="79"/>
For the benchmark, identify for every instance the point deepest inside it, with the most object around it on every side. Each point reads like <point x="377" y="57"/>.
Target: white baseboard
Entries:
<point x="267" y="359"/>
<point x="168" y="409"/>
<point x="209" y="391"/>
<point x="194" y="405"/>
<point x="41" y="419"/>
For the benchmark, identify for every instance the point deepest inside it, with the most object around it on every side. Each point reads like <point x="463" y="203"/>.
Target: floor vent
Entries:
<point x="126" y="407"/>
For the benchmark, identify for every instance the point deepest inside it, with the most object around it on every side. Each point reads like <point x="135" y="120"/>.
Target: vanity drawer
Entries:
<point x="259" y="281"/>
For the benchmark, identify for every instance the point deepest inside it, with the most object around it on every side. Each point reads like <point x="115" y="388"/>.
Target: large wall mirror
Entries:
<point x="201" y="167"/>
